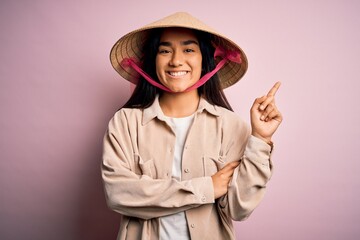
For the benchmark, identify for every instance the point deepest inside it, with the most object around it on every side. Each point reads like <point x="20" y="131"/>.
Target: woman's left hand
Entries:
<point x="265" y="117"/>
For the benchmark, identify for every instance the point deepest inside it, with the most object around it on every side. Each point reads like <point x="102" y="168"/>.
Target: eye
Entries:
<point x="163" y="51"/>
<point x="189" y="50"/>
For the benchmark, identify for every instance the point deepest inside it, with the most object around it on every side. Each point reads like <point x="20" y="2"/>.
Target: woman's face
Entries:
<point x="178" y="61"/>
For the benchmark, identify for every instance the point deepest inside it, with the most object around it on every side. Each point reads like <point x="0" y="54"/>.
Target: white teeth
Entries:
<point x="176" y="74"/>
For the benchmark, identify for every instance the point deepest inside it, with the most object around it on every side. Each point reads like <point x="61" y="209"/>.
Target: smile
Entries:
<point x="178" y="74"/>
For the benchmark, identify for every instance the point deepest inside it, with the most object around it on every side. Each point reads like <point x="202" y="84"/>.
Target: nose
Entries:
<point x="177" y="59"/>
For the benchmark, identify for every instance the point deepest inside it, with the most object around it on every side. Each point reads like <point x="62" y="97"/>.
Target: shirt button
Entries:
<point x="192" y="225"/>
<point x="203" y="198"/>
<point x="167" y="174"/>
<point x="186" y="170"/>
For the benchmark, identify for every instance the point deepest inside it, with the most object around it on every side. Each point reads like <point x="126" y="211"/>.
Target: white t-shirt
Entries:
<point x="175" y="226"/>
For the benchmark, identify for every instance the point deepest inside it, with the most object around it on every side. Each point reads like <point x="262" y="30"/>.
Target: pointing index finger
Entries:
<point x="274" y="89"/>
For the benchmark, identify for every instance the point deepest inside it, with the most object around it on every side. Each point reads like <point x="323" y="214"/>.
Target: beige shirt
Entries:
<point x="137" y="165"/>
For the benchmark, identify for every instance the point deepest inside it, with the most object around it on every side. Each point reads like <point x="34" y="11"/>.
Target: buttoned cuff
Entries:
<point x="203" y="189"/>
<point x="258" y="150"/>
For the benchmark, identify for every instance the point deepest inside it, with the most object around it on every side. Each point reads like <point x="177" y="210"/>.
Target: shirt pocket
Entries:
<point x="213" y="164"/>
<point x="147" y="166"/>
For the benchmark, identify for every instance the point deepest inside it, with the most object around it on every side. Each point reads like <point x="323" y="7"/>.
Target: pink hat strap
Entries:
<point x="131" y="62"/>
<point x="226" y="55"/>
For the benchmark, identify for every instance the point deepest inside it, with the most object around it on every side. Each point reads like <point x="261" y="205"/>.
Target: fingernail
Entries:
<point x="262" y="107"/>
<point x="262" y="117"/>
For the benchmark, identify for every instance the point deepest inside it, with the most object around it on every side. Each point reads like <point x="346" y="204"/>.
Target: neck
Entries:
<point x="179" y="104"/>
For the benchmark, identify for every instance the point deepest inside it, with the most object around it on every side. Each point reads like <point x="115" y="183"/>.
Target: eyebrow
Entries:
<point x="184" y="43"/>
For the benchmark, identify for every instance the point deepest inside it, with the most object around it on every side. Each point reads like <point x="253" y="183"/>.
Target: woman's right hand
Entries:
<point x="222" y="178"/>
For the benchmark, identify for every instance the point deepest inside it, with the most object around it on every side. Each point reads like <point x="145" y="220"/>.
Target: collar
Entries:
<point x="155" y="110"/>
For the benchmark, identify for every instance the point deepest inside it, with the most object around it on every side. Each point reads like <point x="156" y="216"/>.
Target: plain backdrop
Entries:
<point x="58" y="92"/>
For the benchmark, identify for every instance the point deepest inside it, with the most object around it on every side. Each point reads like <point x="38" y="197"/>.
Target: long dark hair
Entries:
<point x="144" y="93"/>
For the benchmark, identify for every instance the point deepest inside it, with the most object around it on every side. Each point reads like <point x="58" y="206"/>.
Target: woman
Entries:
<point x="177" y="162"/>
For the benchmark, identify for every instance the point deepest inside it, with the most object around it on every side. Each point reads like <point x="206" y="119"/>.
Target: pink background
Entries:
<point x="58" y="91"/>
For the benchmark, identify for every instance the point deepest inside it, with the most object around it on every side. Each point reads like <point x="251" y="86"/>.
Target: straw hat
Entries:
<point x="130" y="46"/>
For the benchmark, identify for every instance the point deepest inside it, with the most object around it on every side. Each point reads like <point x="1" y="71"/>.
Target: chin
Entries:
<point x="177" y="89"/>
